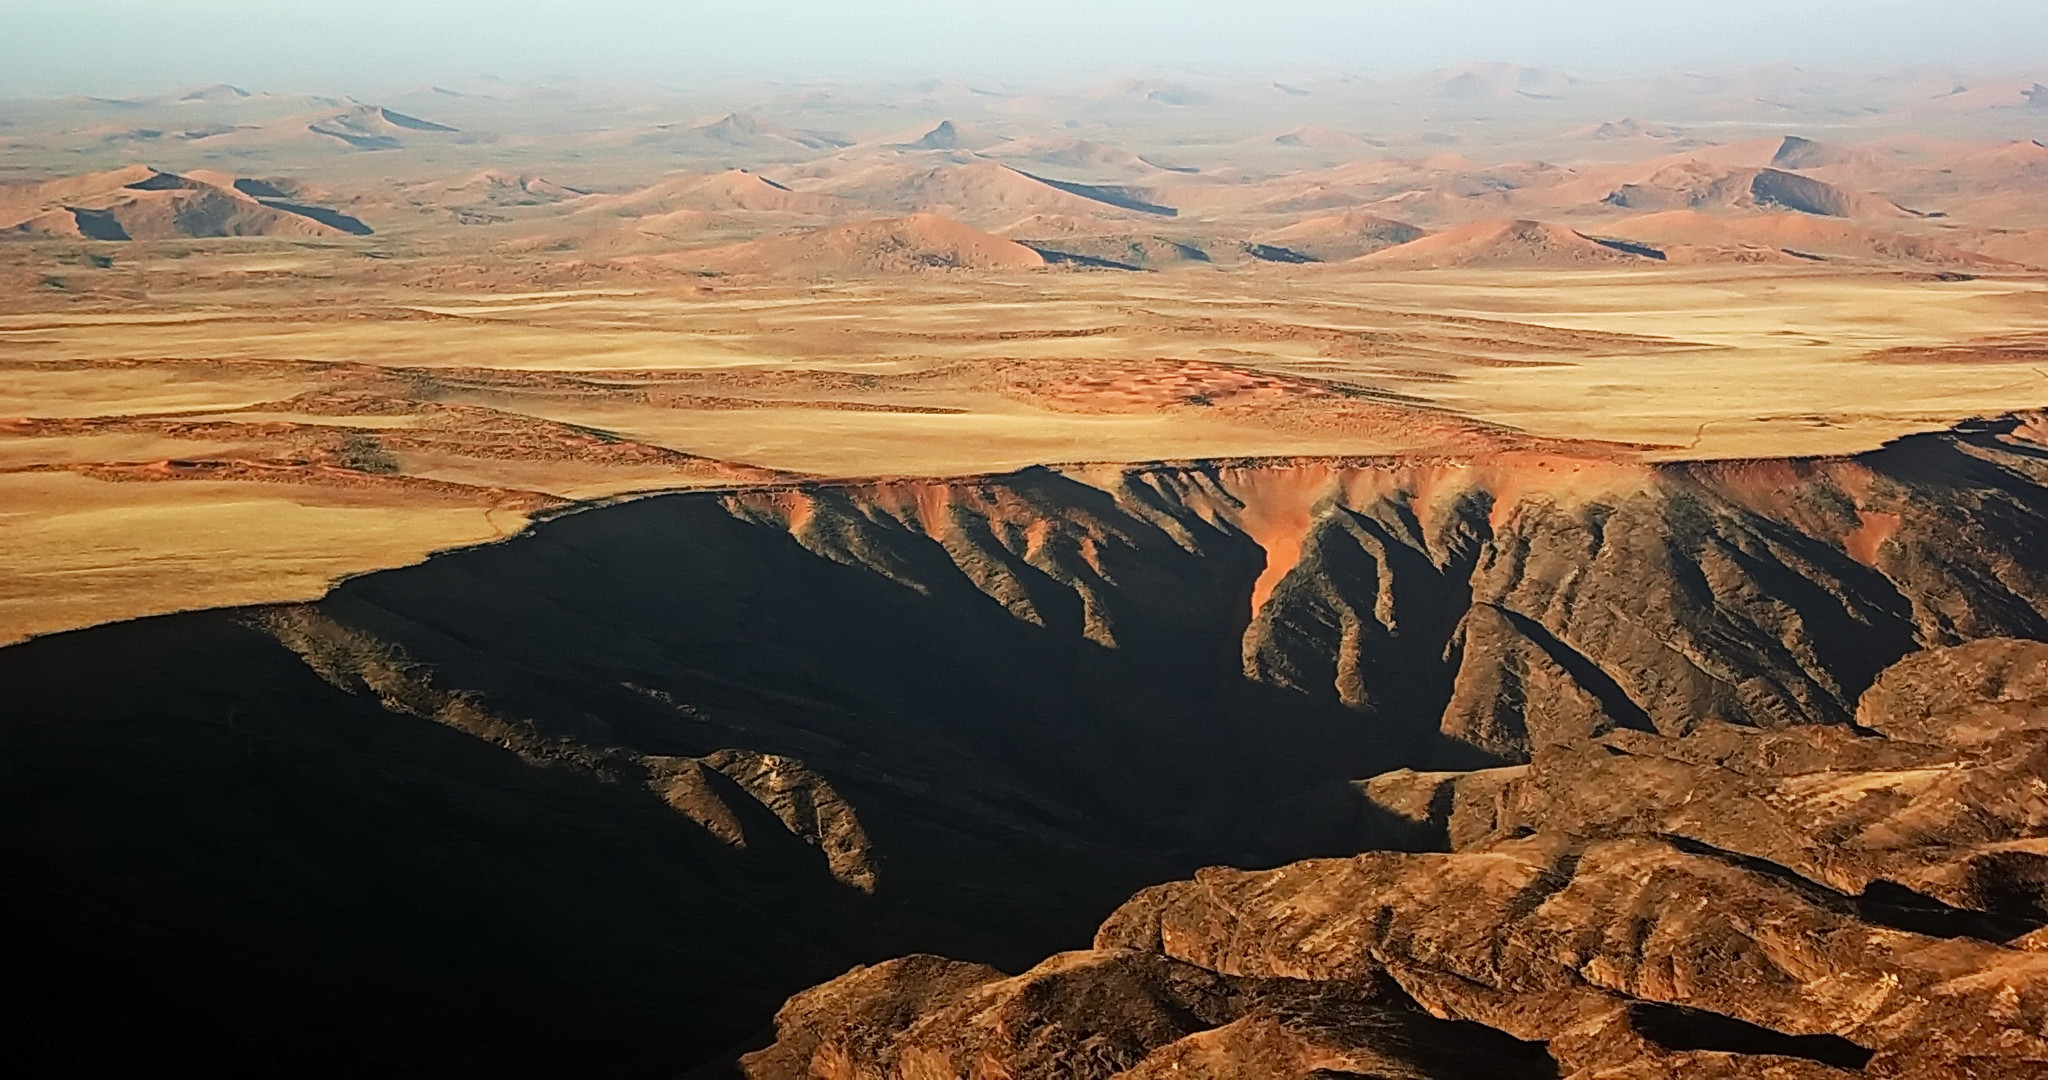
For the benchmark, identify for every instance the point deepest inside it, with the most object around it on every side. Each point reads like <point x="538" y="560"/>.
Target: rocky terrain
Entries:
<point x="1636" y="797"/>
<point x="1810" y="902"/>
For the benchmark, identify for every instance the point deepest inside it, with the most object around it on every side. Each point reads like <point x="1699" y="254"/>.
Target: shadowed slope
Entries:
<point x="660" y="764"/>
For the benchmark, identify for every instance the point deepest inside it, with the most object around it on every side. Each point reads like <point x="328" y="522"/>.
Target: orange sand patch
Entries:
<point x="1145" y="388"/>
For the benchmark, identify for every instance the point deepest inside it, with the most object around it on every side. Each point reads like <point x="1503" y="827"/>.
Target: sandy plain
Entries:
<point x="340" y="344"/>
<point x="676" y="389"/>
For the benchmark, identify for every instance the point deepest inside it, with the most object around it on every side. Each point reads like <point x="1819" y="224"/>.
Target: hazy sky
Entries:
<point x="105" y="46"/>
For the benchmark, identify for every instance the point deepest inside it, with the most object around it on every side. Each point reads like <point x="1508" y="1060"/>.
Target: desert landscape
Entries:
<point x="1482" y="573"/>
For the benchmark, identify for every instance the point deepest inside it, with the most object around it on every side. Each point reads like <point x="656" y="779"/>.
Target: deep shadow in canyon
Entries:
<point x="597" y="799"/>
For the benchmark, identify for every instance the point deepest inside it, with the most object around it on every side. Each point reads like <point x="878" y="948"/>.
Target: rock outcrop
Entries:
<point x="1730" y="903"/>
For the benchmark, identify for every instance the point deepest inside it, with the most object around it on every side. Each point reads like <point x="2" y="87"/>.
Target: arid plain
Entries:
<point x="341" y="336"/>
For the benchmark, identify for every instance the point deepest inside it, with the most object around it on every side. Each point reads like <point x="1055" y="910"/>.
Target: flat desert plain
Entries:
<point x="255" y="343"/>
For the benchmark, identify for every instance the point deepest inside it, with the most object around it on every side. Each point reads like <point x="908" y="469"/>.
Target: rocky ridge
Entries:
<point x="1807" y="903"/>
<point x="599" y="797"/>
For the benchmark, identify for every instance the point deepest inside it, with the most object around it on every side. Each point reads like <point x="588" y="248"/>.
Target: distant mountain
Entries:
<point x="141" y="203"/>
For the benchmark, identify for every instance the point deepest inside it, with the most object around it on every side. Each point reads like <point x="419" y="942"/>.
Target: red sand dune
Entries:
<point x="141" y="203"/>
<point x="1504" y="243"/>
<point x="1792" y="233"/>
<point x="892" y="245"/>
<point x="983" y="192"/>
<point x="1700" y="185"/>
<point x="1332" y="237"/>
<point x="1078" y="154"/>
<point x="2007" y="168"/>
<point x="732" y="190"/>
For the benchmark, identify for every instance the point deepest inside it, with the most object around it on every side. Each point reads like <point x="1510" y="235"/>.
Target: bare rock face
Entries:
<point x="850" y="1026"/>
<point x="1513" y="691"/>
<point x="1965" y="696"/>
<point x="1806" y="903"/>
<point x="1542" y="927"/>
<point x="1125" y="1013"/>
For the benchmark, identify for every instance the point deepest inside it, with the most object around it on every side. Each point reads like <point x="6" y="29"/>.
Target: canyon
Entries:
<point x="600" y="796"/>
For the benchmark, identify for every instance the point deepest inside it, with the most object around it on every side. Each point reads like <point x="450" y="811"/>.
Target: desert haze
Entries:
<point x="1493" y="572"/>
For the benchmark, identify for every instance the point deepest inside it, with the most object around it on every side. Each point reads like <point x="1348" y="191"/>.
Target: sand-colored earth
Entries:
<point x="238" y="431"/>
<point x="340" y="335"/>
